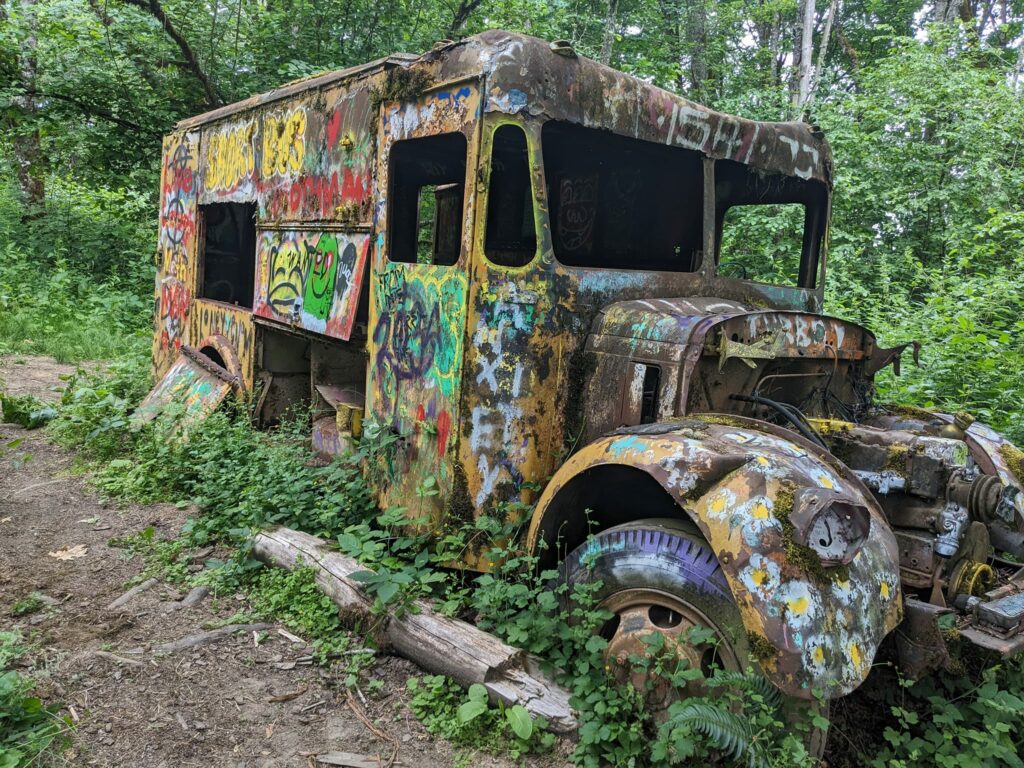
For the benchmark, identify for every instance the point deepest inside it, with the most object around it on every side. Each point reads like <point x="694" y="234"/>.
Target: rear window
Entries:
<point x="622" y="203"/>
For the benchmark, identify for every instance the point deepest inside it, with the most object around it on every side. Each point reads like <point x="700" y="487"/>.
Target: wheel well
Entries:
<point x="214" y="355"/>
<point x="598" y="498"/>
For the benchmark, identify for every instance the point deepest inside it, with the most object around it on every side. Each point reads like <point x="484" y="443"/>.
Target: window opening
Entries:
<point x="229" y="252"/>
<point x="649" y="402"/>
<point x="770" y="227"/>
<point x="511" y="236"/>
<point x="427" y="190"/>
<point x="622" y="203"/>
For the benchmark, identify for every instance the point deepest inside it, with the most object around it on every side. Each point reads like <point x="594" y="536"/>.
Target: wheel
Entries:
<point x="661" y="576"/>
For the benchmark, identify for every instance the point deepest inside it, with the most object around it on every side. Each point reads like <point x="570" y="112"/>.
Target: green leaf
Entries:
<point x="471" y="710"/>
<point x="519" y="719"/>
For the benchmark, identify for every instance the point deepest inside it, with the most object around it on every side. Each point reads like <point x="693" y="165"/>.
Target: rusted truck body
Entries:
<point x="550" y="278"/>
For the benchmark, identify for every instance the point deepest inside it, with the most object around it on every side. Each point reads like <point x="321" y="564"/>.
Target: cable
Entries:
<point x="783" y="410"/>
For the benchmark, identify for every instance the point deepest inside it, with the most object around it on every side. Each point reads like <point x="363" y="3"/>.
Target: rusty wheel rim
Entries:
<point x="644" y="611"/>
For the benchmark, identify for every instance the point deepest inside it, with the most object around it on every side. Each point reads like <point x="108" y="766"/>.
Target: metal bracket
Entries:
<point x="767" y="347"/>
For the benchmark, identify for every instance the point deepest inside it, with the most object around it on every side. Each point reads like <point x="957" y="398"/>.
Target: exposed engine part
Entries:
<point x="1007" y="540"/>
<point x="986" y="497"/>
<point x="970" y="577"/>
<point x="919" y="641"/>
<point x="952" y="523"/>
<point x="884" y="482"/>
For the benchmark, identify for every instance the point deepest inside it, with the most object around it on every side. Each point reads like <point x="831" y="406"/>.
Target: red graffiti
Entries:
<point x="333" y="127"/>
<point x="421" y="414"/>
<point x="355" y="187"/>
<point x="173" y="307"/>
<point x="444" y="428"/>
<point x="316" y="195"/>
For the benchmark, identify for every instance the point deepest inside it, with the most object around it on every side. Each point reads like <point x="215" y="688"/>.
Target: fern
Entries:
<point x="726" y="730"/>
<point x="747" y="682"/>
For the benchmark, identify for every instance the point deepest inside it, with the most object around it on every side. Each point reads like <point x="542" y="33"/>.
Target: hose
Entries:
<point x="793" y="416"/>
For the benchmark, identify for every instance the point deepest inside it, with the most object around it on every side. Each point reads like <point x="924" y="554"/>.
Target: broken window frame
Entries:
<point x="814" y="196"/>
<point x="396" y="213"/>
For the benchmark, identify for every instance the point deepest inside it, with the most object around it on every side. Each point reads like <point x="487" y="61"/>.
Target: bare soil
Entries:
<point x="207" y="706"/>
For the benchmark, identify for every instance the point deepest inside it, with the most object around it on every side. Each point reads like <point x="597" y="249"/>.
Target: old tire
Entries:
<point x="661" y="575"/>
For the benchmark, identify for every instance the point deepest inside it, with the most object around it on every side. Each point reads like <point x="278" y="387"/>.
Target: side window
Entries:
<point x="426" y="194"/>
<point x="511" y="236"/>
<point x="228" y="252"/>
<point x="621" y="203"/>
<point x="769" y="227"/>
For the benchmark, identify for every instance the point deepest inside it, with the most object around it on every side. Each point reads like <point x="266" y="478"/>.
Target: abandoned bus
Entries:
<point x="567" y="287"/>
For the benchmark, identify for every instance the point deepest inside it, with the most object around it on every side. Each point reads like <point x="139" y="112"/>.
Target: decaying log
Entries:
<point x="437" y="643"/>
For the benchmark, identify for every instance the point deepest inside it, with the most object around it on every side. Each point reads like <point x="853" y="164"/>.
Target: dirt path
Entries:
<point x="209" y="706"/>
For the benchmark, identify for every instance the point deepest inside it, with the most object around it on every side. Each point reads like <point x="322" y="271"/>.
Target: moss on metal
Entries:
<point x="1014" y="458"/>
<point x="761" y="647"/>
<point x="400" y="85"/>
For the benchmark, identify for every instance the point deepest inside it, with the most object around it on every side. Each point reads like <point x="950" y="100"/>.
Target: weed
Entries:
<point x="294" y="599"/>
<point x="25" y="410"/>
<point x="28" y="604"/>
<point x="28" y="728"/>
<point x="161" y="557"/>
<point x="468" y="719"/>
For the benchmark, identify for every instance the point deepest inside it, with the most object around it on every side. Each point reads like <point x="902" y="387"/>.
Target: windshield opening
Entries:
<point x="769" y="227"/>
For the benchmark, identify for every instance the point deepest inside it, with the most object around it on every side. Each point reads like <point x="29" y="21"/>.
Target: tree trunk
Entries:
<point x="437" y="643"/>
<point x="803" y="52"/>
<point x="609" y="31"/>
<point x="826" y="35"/>
<point x="26" y="143"/>
<point x="948" y="11"/>
<point x="461" y="16"/>
<point x="697" y="42"/>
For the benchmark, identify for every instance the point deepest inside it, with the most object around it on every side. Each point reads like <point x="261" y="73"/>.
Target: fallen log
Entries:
<point x="437" y="643"/>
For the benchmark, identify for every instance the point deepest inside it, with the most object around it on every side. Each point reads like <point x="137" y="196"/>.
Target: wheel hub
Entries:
<point x="640" y="613"/>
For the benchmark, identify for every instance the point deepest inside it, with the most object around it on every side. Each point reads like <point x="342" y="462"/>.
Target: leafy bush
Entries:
<point x="59" y="312"/>
<point x="28" y="728"/>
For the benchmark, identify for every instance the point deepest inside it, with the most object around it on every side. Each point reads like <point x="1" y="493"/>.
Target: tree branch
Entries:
<point x="213" y="98"/>
<point x="462" y="14"/>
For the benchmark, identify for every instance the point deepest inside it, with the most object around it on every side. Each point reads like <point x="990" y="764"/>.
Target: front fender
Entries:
<point x="736" y="479"/>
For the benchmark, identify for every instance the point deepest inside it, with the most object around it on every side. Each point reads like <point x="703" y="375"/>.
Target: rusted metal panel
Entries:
<point x="232" y="328"/>
<point x="311" y="278"/>
<point x="176" y="246"/>
<point x="418" y="315"/>
<point x="194" y="384"/>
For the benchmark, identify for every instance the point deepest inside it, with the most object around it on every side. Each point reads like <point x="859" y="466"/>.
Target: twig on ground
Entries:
<point x="205" y="638"/>
<point x="361" y="716"/>
<point x="132" y="593"/>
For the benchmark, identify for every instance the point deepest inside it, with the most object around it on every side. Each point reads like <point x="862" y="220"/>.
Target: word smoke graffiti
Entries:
<point x="230" y="156"/>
